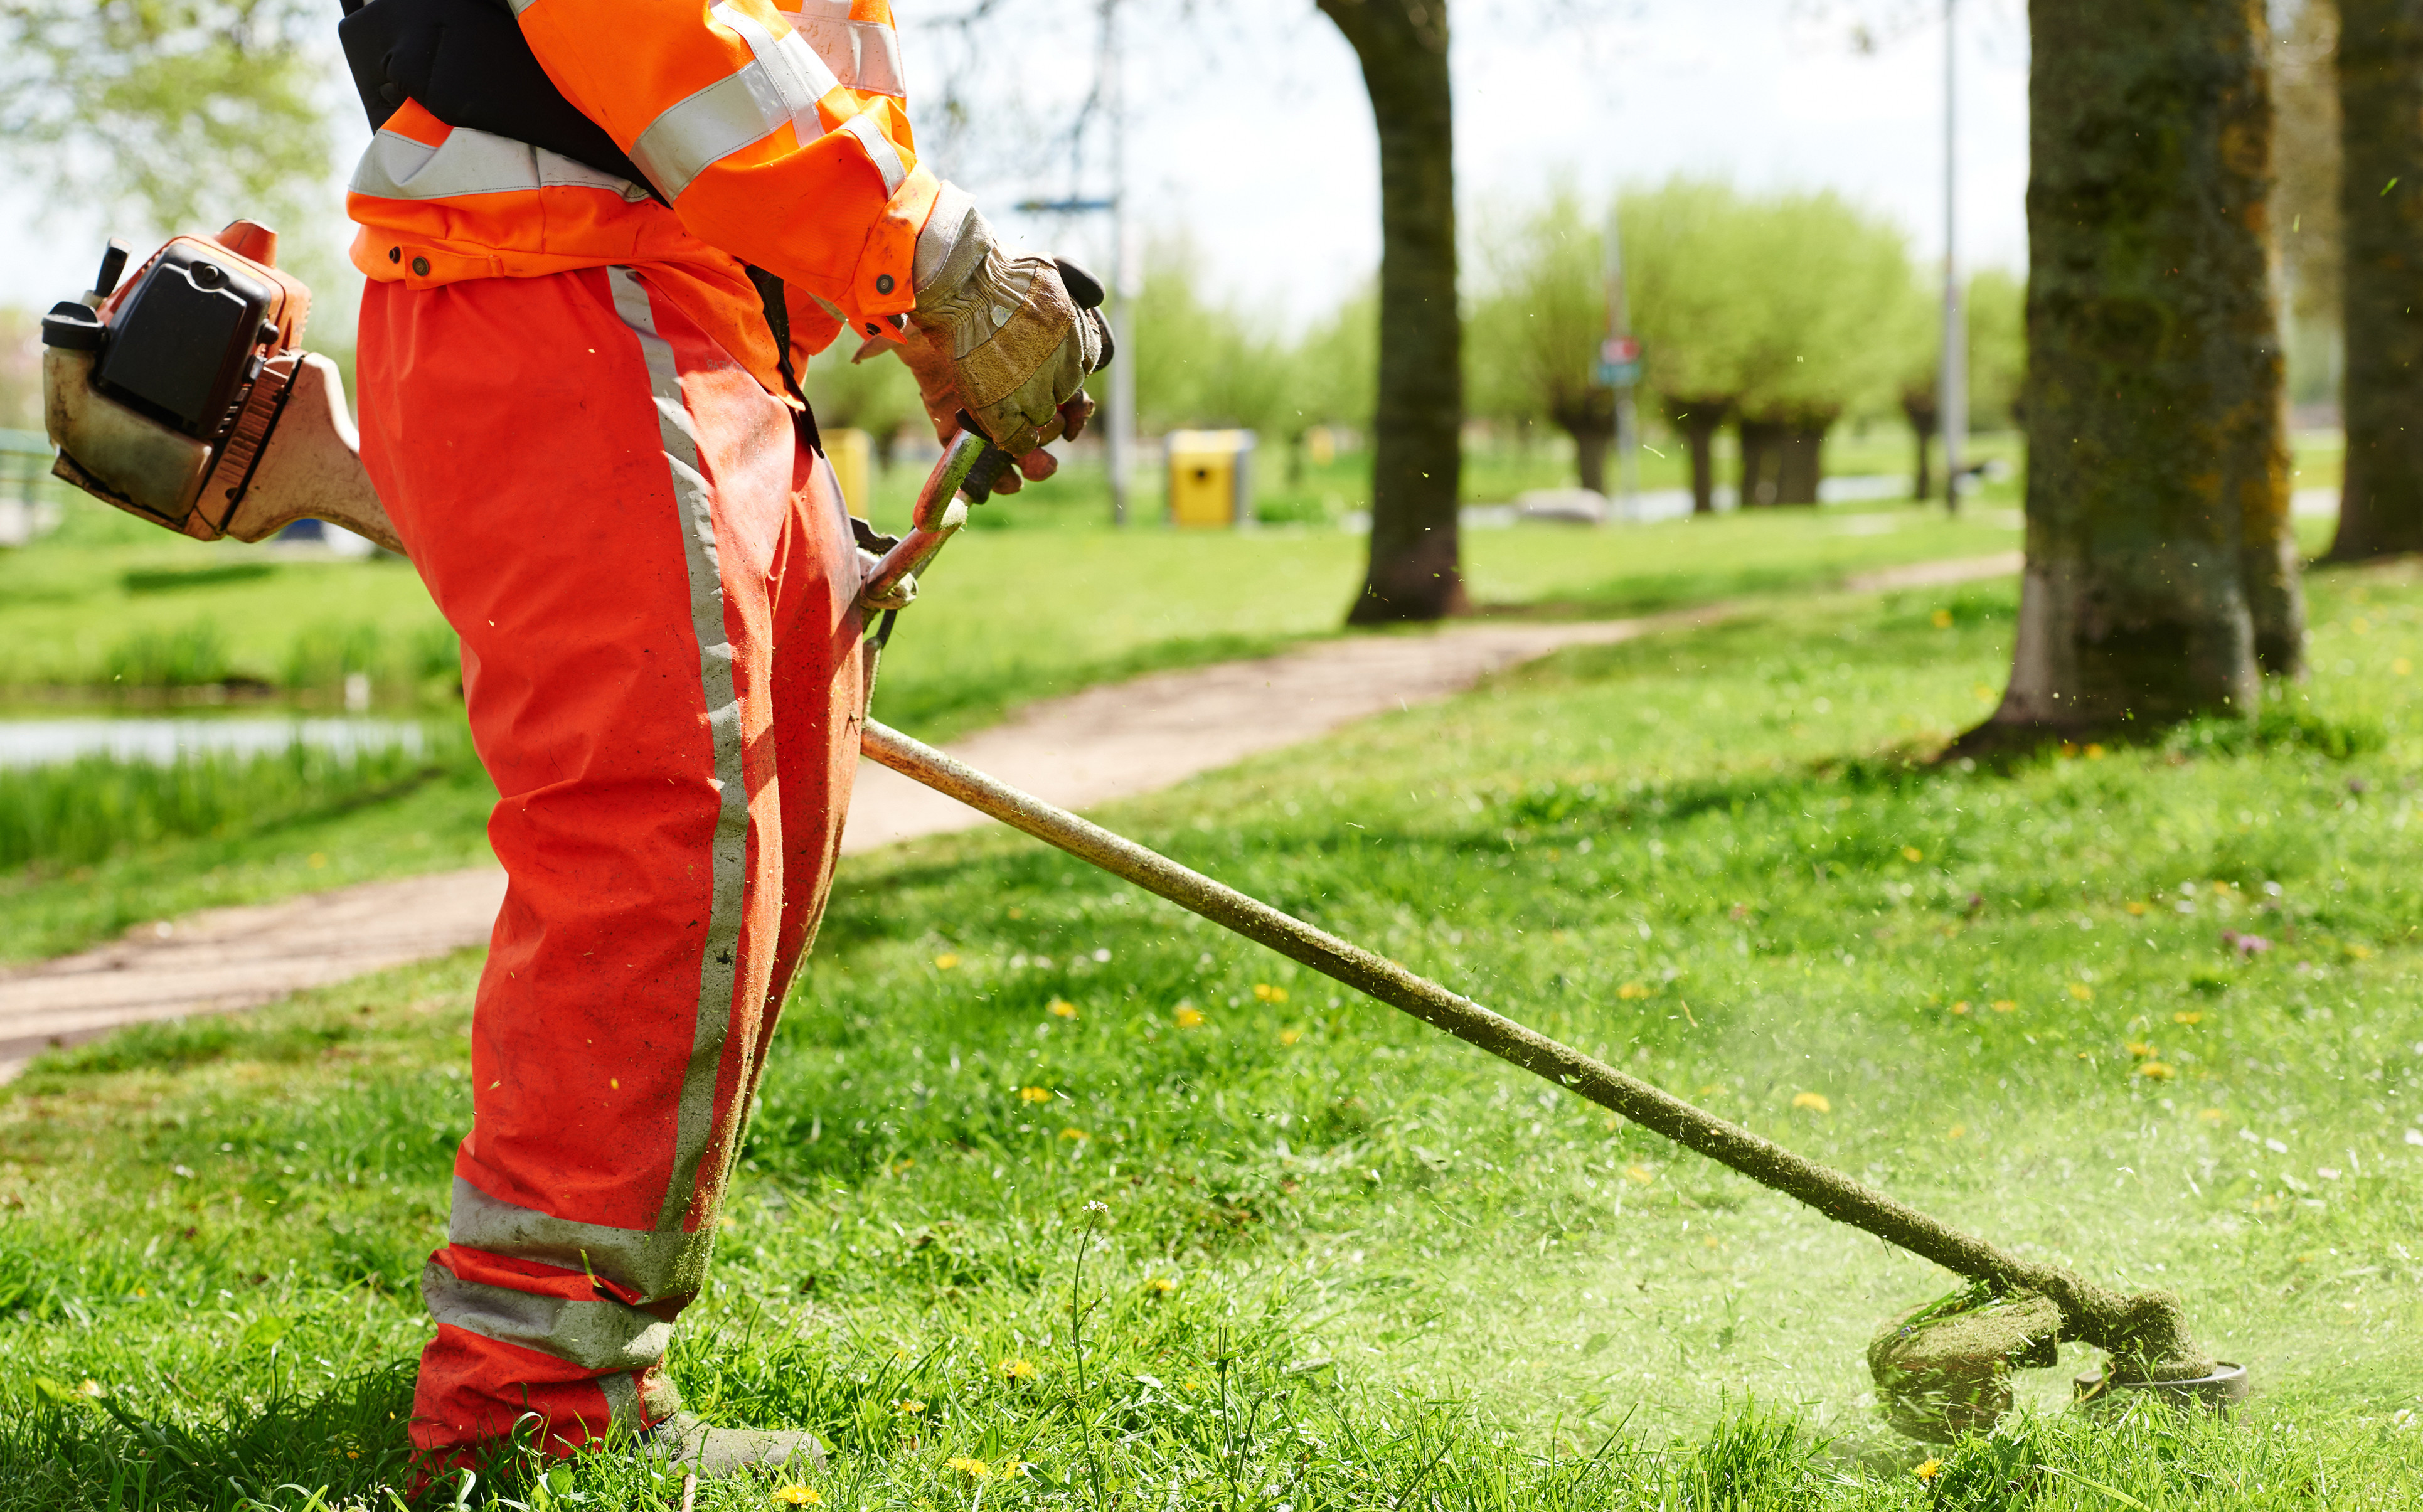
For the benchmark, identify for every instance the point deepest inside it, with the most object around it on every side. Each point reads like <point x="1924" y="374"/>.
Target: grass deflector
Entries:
<point x="1942" y="1369"/>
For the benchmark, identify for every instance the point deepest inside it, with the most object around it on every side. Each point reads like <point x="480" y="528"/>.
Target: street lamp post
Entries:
<point x="1952" y="383"/>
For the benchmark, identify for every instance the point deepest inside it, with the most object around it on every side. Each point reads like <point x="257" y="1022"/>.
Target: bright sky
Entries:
<point x="1250" y="132"/>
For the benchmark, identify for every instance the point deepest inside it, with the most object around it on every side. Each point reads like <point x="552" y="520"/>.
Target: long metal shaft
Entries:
<point x="2144" y="1323"/>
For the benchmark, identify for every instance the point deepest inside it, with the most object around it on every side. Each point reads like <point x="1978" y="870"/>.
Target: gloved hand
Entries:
<point x="999" y="338"/>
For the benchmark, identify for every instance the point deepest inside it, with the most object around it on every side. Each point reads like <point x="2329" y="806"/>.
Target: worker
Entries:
<point x="603" y="237"/>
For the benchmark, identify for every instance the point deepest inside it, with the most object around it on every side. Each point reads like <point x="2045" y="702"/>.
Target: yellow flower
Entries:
<point x="1074" y="1133"/>
<point x="2094" y="752"/>
<point x="1956" y="1131"/>
<point x="1639" y="1175"/>
<point x="90" y="1387"/>
<point x="1928" y="1470"/>
<point x="2212" y="1115"/>
<point x="1631" y="990"/>
<point x="1188" y="1016"/>
<point x="1980" y="690"/>
<point x="2137" y="908"/>
<point x="1269" y="993"/>
<point x="2362" y="952"/>
<point x="1941" y="619"/>
<point x="1159" y="1285"/>
<point x="1018" y="1370"/>
<point x="1960" y="1006"/>
<point x="1034" y="1094"/>
<point x="2003" y="1004"/>
<point x="2187" y="1018"/>
<point x="973" y="1469"/>
<point x="2401" y="666"/>
<point x="2155" y="1070"/>
<point x="1290" y="1036"/>
<point x="1062" y="1008"/>
<point x="1912" y="852"/>
<point x="2082" y="991"/>
<point x="2140" y="1049"/>
<point x="797" y="1495"/>
<point x="945" y="961"/>
<point x="909" y="1408"/>
<point x="1814" y="1102"/>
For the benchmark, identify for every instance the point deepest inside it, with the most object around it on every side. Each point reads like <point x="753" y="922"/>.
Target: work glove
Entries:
<point x="1002" y="341"/>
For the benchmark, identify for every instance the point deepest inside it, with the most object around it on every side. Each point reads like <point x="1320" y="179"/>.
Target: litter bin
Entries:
<point x="851" y="452"/>
<point x="1210" y="479"/>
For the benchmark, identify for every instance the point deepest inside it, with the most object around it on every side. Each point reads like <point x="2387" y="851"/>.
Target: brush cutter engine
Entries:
<point x="183" y="396"/>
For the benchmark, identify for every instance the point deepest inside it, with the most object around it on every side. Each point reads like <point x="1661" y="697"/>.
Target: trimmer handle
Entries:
<point x="963" y="478"/>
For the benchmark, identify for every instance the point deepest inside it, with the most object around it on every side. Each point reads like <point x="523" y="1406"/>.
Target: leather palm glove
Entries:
<point x="998" y="338"/>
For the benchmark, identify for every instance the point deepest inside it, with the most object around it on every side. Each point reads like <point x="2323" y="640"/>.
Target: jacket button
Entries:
<point x="395" y="254"/>
<point x="883" y="283"/>
<point x="420" y="267"/>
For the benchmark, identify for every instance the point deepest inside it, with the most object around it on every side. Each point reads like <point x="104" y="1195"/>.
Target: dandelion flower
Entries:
<point x="907" y="1409"/>
<point x="1631" y="990"/>
<point x="2094" y="752"/>
<point x="1188" y="1016"/>
<point x="2004" y="1005"/>
<point x="1639" y="1175"/>
<point x="1062" y="1008"/>
<point x="1269" y="993"/>
<point x="1912" y="852"/>
<point x="1928" y="1470"/>
<point x="1159" y="1285"/>
<point x="2212" y="1115"/>
<point x="2188" y="1017"/>
<point x="1941" y="619"/>
<point x="945" y="961"/>
<point x="1961" y="1007"/>
<point x="2082" y="991"/>
<point x="1956" y="1131"/>
<point x="1074" y="1133"/>
<point x="1018" y="1370"/>
<point x="973" y="1469"/>
<point x="1290" y="1036"/>
<point x="1980" y="690"/>
<point x="1034" y="1094"/>
<point x="2157" y="1071"/>
<point x="90" y="1387"/>
<point x="1814" y="1102"/>
<point x="796" y="1495"/>
<point x="2136" y="908"/>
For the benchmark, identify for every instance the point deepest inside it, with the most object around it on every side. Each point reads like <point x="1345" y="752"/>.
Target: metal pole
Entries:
<point x="1127" y="277"/>
<point x="1951" y="385"/>
<point x="2149" y="1325"/>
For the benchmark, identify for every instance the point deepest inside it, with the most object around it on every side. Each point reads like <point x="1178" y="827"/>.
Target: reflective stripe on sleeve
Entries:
<point x="718" y="120"/>
<point x="880" y="152"/>
<point x="599" y="1334"/>
<point x="864" y="55"/>
<point x="395" y="167"/>
<point x="799" y="75"/>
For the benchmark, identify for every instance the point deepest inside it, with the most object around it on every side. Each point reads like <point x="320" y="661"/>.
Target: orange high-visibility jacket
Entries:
<point x="779" y="138"/>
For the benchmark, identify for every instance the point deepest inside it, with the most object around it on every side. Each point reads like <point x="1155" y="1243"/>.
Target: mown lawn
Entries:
<point x="1319" y="1257"/>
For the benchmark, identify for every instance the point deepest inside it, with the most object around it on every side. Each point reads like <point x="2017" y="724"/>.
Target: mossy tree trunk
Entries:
<point x="2380" y="215"/>
<point x="2156" y="485"/>
<point x="1414" y="571"/>
<point x="1698" y="420"/>
<point x="1588" y="415"/>
<point x="1918" y="407"/>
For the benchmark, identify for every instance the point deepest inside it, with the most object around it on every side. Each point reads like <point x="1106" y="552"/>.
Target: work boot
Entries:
<point x="712" y="1452"/>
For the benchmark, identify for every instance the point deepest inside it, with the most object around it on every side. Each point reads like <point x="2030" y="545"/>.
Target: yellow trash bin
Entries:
<point x="1210" y="479"/>
<point x="852" y="454"/>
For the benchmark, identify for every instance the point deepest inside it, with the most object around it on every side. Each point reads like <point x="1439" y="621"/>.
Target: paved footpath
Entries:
<point x="1080" y="751"/>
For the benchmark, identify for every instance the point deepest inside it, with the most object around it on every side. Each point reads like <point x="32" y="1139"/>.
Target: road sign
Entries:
<point x="1619" y="361"/>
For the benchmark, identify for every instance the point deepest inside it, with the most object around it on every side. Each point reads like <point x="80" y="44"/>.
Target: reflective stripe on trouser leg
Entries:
<point x="617" y="526"/>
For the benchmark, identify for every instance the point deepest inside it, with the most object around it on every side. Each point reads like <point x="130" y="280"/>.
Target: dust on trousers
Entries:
<point x="655" y="585"/>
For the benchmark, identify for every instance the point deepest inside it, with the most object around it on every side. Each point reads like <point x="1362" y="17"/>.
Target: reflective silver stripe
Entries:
<point x="520" y="5"/>
<point x="650" y="1262"/>
<point x="720" y="951"/>
<point x="741" y="107"/>
<point x="596" y="1334"/>
<point x="395" y="167"/>
<point x="879" y="151"/>
<point x="799" y="75"/>
<point x="864" y="55"/>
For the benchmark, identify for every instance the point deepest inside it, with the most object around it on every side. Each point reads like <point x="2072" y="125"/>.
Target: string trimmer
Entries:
<point x="1942" y="1369"/>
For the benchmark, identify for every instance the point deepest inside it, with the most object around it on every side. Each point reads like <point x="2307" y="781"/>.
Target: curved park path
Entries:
<point x="1086" y="749"/>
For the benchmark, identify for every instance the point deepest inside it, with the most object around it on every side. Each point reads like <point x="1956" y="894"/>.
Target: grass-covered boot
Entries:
<point x="711" y="1451"/>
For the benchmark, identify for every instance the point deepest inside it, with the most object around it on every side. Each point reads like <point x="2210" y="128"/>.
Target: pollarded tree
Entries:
<point x="1689" y="268"/>
<point x="1537" y="326"/>
<point x="1994" y="306"/>
<point x="2158" y="584"/>
<point x="2380" y="215"/>
<point x="1418" y="444"/>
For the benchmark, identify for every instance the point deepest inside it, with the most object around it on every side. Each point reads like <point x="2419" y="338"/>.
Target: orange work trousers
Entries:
<point x="656" y="586"/>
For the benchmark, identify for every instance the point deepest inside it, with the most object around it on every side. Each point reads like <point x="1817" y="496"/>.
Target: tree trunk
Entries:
<point x="1918" y="406"/>
<point x="1418" y="420"/>
<point x="1589" y="417"/>
<point x="1698" y="420"/>
<point x="2154" y="414"/>
<point x="2381" y="213"/>
<point x="1762" y="444"/>
<point x="1800" y="460"/>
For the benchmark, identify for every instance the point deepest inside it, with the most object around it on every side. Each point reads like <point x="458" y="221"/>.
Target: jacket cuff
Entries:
<point x="885" y="281"/>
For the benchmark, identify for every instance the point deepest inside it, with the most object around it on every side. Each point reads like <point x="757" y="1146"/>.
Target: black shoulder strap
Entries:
<point x="778" y="322"/>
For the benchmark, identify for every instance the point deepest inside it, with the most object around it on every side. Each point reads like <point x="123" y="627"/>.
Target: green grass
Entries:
<point x="1339" y="1262"/>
